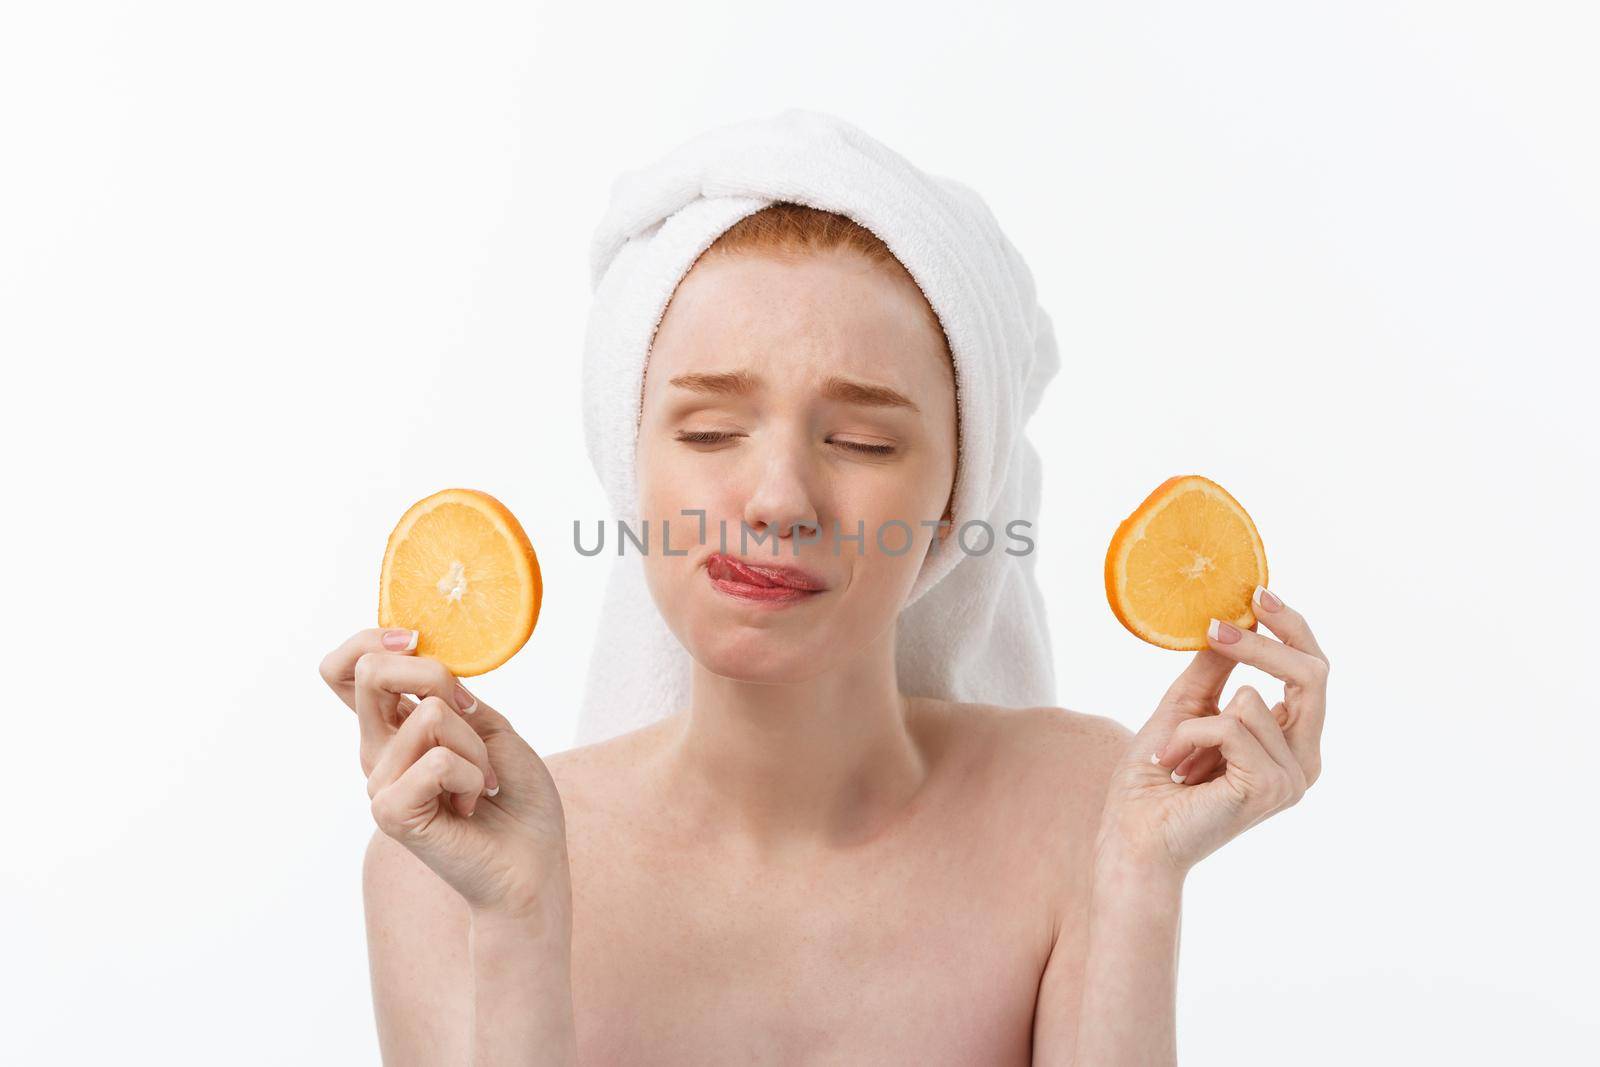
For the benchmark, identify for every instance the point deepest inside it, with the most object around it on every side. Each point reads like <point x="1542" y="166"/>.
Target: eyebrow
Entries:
<point x="844" y="390"/>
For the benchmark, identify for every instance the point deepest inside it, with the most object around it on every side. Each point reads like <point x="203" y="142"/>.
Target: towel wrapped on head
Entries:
<point x="974" y="626"/>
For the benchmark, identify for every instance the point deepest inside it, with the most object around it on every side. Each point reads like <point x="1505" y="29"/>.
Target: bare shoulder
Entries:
<point x="602" y="785"/>
<point x="1070" y="739"/>
<point x="1054" y="740"/>
<point x="1041" y="767"/>
<point x="1074" y="752"/>
<point x="1070" y="727"/>
<point x="589" y="773"/>
<point x="1042" y="773"/>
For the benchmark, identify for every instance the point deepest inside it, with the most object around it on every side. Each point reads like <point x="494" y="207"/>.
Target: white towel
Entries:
<point x="974" y="626"/>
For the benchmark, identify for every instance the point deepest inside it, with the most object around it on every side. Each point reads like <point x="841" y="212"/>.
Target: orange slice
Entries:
<point x="1188" y="554"/>
<point x="461" y="572"/>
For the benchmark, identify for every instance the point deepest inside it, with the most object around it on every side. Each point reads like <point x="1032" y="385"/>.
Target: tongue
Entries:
<point x="748" y="576"/>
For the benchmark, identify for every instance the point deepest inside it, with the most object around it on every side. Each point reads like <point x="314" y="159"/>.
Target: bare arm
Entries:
<point x="1107" y="994"/>
<point x="1129" y="1008"/>
<point x="522" y="984"/>
<point x="449" y="986"/>
<point x="417" y="952"/>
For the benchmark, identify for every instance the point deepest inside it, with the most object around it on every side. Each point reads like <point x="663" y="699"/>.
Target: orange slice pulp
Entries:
<point x="461" y="572"/>
<point x="1188" y="554"/>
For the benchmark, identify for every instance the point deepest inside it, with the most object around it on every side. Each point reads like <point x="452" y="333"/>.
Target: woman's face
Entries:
<point x="811" y="399"/>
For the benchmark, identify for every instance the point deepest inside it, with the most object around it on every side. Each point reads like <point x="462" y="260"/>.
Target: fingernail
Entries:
<point x="1155" y="757"/>
<point x="492" y="781"/>
<point x="1176" y="777"/>
<point x="466" y="703"/>
<point x="400" y="640"/>
<point x="1222" y="633"/>
<point x="492" y="792"/>
<point x="1265" y="600"/>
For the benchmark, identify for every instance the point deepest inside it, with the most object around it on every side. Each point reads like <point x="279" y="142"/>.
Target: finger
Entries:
<point x="1307" y="748"/>
<point x="381" y="680"/>
<point x="1258" y="719"/>
<point x="405" y="807"/>
<point x="1226" y="732"/>
<point x="338" y="668"/>
<point x="1263" y="789"/>
<point x="1304" y="676"/>
<point x="433" y="724"/>
<point x="1271" y="655"/>
<point x="1200" y="685"/>
<point x="1287" y="623"/>
<point x="1197" y="766"/>
<point x="1211" y="775"/>
<point x="1304" y="709"/>
<point x="1306" y="706"/>
<point x="1176" y="715"/>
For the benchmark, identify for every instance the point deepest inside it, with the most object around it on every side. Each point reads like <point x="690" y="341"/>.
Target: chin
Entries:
<point x="772" y="656"/>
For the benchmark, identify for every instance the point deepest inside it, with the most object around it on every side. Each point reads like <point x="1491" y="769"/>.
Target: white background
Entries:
<point x="269" y="273"/>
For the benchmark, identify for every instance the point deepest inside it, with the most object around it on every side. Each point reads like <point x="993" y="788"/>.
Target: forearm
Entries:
<point x="522" y="990"/>
<point x="1128" y="1013"/>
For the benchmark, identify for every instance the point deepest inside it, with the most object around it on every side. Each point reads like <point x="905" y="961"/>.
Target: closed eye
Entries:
<point x="871" y="450"/>
<point x="712" y="437"/>
<point x="703" y="437"/>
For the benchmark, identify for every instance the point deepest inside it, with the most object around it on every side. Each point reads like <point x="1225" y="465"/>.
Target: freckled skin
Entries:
<point x="923" y="943"/>
<point x="799" y="322"/>
<point x="921" y="937"/>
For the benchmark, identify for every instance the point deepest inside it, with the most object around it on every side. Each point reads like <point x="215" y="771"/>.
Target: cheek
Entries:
<point x="903" y="509"/>
<point x="671" y="482"/>
<point x="667" y="483"/>
<point x="894" y="542"/>
<point x="694" y="514"/>
<point x="912" y="494"/>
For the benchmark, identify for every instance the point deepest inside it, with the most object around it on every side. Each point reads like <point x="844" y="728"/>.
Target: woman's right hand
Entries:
<point x="430" y="767"/>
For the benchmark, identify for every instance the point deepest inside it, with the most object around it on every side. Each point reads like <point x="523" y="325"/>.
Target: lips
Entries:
<point x="728" y="569"/>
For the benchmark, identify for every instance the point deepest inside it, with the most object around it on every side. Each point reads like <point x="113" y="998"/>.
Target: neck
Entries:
<point x="825" y="761"/>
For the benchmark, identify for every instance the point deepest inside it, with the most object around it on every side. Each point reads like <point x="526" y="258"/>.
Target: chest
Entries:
<point x="929" y="952"/>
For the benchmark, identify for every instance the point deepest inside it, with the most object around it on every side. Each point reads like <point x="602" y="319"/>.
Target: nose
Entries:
<point x="782" y="499"/>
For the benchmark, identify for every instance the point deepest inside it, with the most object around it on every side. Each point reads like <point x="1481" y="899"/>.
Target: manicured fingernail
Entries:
<point x="466" y="703"/>
<point x="1176" y="777"/>
<point x="400" y="640"/>
<point x="492" y="781"/>
<point x="1265" y="600"/>
<point x="492" y="792"/>
<point x="1222" y="633"/>
<point x="1155" y="757"/>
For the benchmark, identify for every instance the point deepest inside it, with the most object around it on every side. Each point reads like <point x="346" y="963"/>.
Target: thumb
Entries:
<point x="1199" y="687"/>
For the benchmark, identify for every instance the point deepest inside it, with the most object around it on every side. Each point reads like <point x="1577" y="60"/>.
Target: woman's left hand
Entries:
<point x="1197" y="776"/>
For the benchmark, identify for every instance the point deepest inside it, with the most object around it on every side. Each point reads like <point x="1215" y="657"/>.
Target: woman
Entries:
<point x="805" y="863"/>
